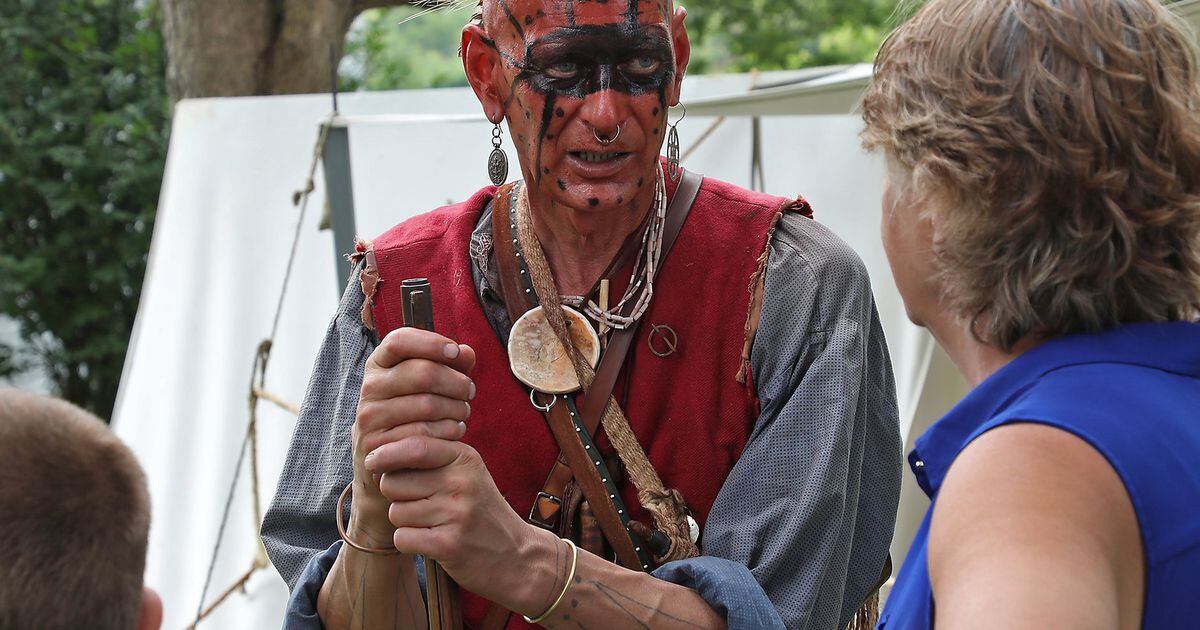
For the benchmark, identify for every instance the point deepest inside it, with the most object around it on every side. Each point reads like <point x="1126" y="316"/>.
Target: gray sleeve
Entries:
<point x="810" y="505"/>
<point x="299" y="524"/>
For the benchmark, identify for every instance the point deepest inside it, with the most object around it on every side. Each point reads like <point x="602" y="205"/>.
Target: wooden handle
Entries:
<point x="442" y="602"/>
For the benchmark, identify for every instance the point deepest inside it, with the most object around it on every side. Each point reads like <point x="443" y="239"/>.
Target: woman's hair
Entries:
<point x="1061" y="140"/>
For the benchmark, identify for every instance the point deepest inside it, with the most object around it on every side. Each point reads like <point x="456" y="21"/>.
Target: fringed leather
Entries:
<point x="867" y="614"/>
<point x="368" y="278"/>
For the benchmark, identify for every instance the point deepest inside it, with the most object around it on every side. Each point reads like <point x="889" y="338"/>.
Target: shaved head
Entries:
<point x="76" y="508"/>
<point x="585" y="87"/>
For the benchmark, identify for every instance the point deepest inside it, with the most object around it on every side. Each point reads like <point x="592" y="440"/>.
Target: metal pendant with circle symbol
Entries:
<point x="662" y="340"/>
<point x="539" y="360"/>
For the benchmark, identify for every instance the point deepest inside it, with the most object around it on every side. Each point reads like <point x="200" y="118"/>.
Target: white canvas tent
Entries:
<point x="225" y="228"/>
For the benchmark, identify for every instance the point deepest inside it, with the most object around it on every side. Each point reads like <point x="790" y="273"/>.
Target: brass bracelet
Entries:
<point x="378" y="551"/>
<point x="563" y="594"/>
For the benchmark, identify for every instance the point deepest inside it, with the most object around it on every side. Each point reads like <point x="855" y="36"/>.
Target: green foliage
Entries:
<point x="785" y="34"/>
<point x="727" y="36"/>
<point x="382" y="54"/>
<point x="83" y="126"/>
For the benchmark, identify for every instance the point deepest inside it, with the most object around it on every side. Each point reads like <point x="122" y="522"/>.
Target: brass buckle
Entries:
<point x="534" y="514"/>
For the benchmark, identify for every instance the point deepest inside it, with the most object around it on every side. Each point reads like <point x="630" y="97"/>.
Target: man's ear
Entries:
<point x="481" y="61"/>
<point x="152" y="610"/>
<point x="683" y="52"/>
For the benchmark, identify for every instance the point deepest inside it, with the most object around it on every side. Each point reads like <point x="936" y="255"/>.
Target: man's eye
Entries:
<point x="642" y="65"/>
<point x="563" y="70"/>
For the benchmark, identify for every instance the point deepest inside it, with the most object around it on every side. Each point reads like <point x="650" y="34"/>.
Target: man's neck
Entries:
<point x="580" y="243"/>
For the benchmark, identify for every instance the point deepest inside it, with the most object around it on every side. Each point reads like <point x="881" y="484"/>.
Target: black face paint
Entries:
<point x="512" y="19"/>
<point x="547" y="112"/>
<point x="573" y="62"/>
<point x="632" y="13"/>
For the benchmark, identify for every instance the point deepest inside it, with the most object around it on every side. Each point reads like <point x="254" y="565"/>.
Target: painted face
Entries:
<point x="586" y="88"/>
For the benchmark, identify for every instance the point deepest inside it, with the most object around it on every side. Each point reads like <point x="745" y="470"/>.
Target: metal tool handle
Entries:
<point x="442" y="601"/>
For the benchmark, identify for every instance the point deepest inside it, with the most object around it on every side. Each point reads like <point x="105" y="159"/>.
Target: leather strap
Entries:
<point x="547" y="507"/>
<point x="618" y="346"/>
<point x="516" y="302"/>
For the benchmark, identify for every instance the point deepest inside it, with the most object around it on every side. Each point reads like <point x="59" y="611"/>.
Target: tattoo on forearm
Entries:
<point x="362" y="598"/>
<point x="631" y="606"/>
<point x="404" y="600"/>
<point x="558" y="578"/>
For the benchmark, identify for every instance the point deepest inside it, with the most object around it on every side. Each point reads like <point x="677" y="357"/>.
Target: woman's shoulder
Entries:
<point x="1036" y="518"/>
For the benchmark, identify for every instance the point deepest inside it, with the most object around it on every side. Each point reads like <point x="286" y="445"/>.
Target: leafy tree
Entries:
<point x="785" y="34"/>
<point x="383" y="54"/>
<point x="83" y="126"/>
<point x="727" y="36"/>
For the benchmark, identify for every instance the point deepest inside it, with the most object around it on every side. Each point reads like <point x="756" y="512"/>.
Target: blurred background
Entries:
<point x="86" y="94"/>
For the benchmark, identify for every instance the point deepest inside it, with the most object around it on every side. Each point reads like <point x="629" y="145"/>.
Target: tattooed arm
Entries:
<point x="445" y="506"/>
<point x="364" y="590"/>
<point x="604" y="595"/>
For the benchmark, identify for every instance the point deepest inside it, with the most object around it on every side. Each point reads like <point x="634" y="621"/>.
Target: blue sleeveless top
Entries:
<point x="1133" y="393"/>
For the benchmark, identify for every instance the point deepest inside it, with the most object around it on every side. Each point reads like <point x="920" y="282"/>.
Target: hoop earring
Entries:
<point x="497" y="165"/>
<point x="673" y="169"/>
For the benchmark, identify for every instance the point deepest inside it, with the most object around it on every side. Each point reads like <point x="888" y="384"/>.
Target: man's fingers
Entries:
<point x="441" y="429"/>
<point x="420" y="453"/>
<point x="420" y="513"/>
<point x="417" y="376"/>
<point x="433" y="543"/>
<point x="412" y="485"/>
<point x="413" y="343"/>
<point x="376" y="416"/>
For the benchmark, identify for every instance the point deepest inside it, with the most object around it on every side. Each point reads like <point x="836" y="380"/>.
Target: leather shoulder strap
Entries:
<point x="618" y="346"/>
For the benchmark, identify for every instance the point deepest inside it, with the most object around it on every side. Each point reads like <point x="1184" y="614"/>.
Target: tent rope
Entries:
<point x="258" y="391"/>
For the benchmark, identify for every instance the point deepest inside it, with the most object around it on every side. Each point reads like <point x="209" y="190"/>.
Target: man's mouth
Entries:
<point x="597" y="157"/>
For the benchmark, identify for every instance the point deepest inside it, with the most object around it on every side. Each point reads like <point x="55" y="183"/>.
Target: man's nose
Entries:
<point x="607" y="108"/>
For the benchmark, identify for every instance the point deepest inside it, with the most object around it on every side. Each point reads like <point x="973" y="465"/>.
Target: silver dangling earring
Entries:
<point x="498" y="160"/>
<point x="673" y="168"/>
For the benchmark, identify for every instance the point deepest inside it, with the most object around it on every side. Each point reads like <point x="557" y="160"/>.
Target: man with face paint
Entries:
<point x="770" y="413"/>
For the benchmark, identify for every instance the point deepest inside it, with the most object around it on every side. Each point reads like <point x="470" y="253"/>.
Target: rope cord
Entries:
<point x="257" y="391"/>
<point x="221" y="529"/>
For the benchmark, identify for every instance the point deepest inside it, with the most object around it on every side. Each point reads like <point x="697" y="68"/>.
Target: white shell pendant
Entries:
<point x="538" y="359"/>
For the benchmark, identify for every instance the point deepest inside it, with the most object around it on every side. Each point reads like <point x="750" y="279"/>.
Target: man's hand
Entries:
<point x="446" y="506"/>
<point x="415" y="383"/>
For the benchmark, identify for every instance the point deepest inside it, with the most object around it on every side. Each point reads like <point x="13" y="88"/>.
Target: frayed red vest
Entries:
<point x="689" y="410"/>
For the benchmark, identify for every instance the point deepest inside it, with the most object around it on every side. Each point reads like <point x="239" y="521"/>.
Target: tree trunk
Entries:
<point x="254" y="47"/>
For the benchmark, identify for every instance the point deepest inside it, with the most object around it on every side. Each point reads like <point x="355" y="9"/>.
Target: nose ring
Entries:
<point x="609" y="141"/>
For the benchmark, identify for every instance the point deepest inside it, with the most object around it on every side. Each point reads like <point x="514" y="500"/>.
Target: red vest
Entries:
<point x="688" y="409"/>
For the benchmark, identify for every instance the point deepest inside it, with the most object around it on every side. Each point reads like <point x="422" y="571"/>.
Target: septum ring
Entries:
<point x="610" y="140"/>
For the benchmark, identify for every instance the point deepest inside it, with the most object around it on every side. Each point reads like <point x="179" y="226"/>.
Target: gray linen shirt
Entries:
<point x="800" y="530"/>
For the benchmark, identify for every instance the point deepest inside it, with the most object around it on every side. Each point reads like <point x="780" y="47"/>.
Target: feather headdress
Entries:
<point x="431" y="6"/>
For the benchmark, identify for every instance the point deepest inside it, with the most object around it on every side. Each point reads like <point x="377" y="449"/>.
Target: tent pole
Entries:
<point x="340" y="195"/>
